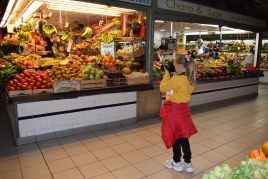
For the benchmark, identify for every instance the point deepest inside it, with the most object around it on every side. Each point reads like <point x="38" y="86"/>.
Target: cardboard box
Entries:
<point x="91" y="84"/>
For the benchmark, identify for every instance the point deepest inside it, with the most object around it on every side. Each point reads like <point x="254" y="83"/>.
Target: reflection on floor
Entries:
<point x="227" y="133"/>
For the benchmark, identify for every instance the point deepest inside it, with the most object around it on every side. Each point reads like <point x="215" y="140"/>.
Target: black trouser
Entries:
<point x="185" y="145"/>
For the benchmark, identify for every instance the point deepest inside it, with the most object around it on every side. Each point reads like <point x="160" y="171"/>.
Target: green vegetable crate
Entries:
<point x="92" y="84"/>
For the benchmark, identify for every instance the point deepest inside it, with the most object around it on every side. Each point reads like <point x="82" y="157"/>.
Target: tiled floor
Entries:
<point x="227" y="132"/>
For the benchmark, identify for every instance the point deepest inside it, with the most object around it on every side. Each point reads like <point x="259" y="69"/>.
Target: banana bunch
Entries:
<point x="66" y="37"/>
<point x="180" y="42"/>
<point x="87" y="33"/>
<point x="23" y="36"/>
<point x="49" y="29"/>
<point x="26" y="27"/>
<point x="96" y="44"/>
<point x="108" y="38"/>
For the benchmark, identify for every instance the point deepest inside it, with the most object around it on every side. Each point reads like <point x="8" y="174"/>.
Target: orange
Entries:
<point x="265" y="148"/>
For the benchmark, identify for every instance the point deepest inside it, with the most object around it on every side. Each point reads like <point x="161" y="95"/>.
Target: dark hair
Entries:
<point x="190" y="66"/>
<point x="47" y="40"/>
<point x="162" y="47"/>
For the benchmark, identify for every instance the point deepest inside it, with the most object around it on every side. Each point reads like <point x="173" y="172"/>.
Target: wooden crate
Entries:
<point x="65" y="86"/>
<point x="43" y="91"/>
<point x="19" y="93"/>
<point x="91" y="84"/>
<point x="137" y="81"/>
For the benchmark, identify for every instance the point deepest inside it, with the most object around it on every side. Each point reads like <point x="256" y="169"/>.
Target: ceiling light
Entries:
<point x="158" y="21"/>
<point x="85" y="11"/>
<point x="162" y="30"/>
<point x="14" y="10"/>
<point x="187" y="28"/>
<point x="8" y="12"/>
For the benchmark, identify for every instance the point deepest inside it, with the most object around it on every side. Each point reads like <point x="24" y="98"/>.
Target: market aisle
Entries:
<point x="227" y="133"/>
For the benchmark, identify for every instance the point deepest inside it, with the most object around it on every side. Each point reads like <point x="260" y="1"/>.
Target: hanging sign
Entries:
<point x="196" y="9"/>
<point x="141" y="2"/>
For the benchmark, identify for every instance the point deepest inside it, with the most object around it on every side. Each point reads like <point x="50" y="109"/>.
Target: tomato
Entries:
<point x="44" y="82"/>
<point x="43" y="86"/>
<point x="39" y="79"/>
<point x="11" y="82"/>
<point x="33" y="81"/>
<point x="22" y="80"/>
<point x="17" y="88"/>
<point x="28" y="80"/>
<point x="31" y="84"/>
<point x="26" y="84"/>
<point x="19" y="84"/>
<point x="49" y="85"/>
<point x="29" y="87"/>
<point x="11" y="89"/>
<point x="37" y="84"/>
<point x="34" y="87"/>
<point x="22" y="75"/>
<point x="15" y="81"/>
<point x="18" y="77"/>
<point x="24" y="87"/>
<point x="31" y="77"/>
<point x="8" y="88"/>
<point x="45" y="77"/>
<point x="37" y="76"/>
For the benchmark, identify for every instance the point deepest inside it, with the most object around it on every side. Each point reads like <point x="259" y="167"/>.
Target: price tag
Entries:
<point x="70" y="43"/>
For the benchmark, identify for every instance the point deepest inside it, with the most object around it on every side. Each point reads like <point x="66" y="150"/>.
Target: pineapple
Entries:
<point x="119" y="28"/>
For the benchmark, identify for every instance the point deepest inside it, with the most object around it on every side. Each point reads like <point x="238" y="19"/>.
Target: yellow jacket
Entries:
<point x="178" y="88"/>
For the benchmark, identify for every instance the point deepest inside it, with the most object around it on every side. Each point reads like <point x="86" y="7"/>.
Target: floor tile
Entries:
<point x="221" y="139"/>
<point x="69" y="141"/>
<point x="104" y="133"/>
<point x="231" y="162"/>
<point x="96" y="145"/>
<point x="206" y="133"/>
<point x="148" y="167"/>
<point x="115" y="163"/>
<point x="156" y="130"/>
<point x="49" y="145"/>
<point x="119" y="130"/>
<point x="111" y="141"/>
<point x="104" y="153"/>
<point x="73" y="173"/>
<point x="76" y="149"/>
<point x="83" y="159"/>
<point x="237" y="145"/>
<point x="135" y="156"/>
<point x="225" y="150"/>
<point x="231" y="135"/>
<point x="201" y="164"/>
<point x="87" y="137"/>
<point x="154" y="139"/>
<point x="129" y="137"/>
<point x="133" y="127"/>
<point x="29" y="160"/>
<point x="199" y="149"/>
<point x="152" y="151"/>
<point x="27" y="149"/>
<point x="209" y="143"/>
<point x="46" y="177"/>
<point x="8" y="154"/>
<point x="162" y="158"/>
<point x="60" y="165"/>
<point x="140" y="143"/>
<point x="93" y="169"/>
<point x="35" y="171"/>
<point x="197" y="138"/>
<point x="8" y="165"/>
<point x="55" y="154"/>
<point x="123" y="148"/>
<point x="241" y="156"/>
<point x="163" y="174"/>
<point x="14" y="174"/>
<point x="214" y="156"/>
<point x="186" y="175"/>
<point x="143" y="133"/>
<point x="129" y="172"/>
<point x="105" y="176"/>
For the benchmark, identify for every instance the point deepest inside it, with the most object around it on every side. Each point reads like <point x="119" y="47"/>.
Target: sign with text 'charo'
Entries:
<point x="141" y="2"/>
<point x="196" y="9"/>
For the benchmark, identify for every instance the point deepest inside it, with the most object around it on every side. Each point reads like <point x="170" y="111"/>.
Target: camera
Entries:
<point x="170" y="67"/>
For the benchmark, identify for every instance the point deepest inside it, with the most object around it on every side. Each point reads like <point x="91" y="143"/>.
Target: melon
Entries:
<point x="129" y="64"/>
<point x="136" y="65"/>
<point x="126" y="71"/>
<point x="265" y="148"/>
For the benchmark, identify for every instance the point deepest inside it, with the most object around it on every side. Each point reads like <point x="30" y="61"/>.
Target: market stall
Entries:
<point x="101" y="73"/>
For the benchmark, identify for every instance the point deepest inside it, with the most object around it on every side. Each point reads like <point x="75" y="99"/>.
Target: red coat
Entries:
<point x="176" y="122"/>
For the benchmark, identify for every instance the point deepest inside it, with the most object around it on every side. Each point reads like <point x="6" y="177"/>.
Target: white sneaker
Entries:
<point x="173" y="165"/>
<point x="188" y="167"/>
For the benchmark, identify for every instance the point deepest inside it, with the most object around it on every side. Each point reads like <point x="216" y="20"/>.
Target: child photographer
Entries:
<point x="177" y="125"/>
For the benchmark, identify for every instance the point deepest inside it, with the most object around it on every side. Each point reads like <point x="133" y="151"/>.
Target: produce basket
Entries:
<point x="137" y="78"/>
<point x="19" y="93"/>
<point x="92" y="84"/>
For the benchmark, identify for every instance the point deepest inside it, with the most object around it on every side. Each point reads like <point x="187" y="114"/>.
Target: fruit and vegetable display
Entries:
<point x="108" y="37"/>
<point x="256" y="166"/>
<point x="49" y="29"/>
<point x="27" y="62"/>
<point x="91" y="73"/>
<point x="65" y="72"/>
<point x="7" y="73"/>
<point x="29" y="80"/>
